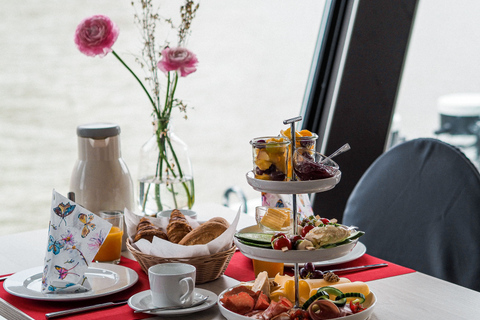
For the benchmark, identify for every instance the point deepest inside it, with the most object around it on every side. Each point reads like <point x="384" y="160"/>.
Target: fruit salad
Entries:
<point x="303" y="139"/>
<point x="270" y="158"/>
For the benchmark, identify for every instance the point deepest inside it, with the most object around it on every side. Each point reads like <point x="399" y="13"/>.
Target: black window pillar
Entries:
<point x="353" y="88"/>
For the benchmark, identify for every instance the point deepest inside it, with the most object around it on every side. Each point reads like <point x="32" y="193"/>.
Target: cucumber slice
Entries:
<point x="256" y="244"/>
<point x="316" y="296"/>
<point x="343" y="298"/>
<point x="254" y="237"/>
<point x="355" y="235"/>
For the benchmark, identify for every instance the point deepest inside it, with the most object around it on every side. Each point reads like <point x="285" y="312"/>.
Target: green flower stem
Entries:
<point x="133" y="74"/>
<point x="180" y="173"/>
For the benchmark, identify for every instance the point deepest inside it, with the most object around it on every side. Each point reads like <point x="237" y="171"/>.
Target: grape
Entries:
<point x="306" y="143"/>
<point x="262" y="144"/>
<point x="317" y="274"/>
<point x="277" y="175"/>
<point x="270" y="169"/>
<point x="258" y="171"/>
<point x="304" y="273"/>
<point x="309" y="266"/>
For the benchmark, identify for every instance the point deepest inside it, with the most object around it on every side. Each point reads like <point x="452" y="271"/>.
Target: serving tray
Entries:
<point x="293" y="187"/>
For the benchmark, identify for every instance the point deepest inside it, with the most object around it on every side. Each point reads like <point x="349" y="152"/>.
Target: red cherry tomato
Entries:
<point x="294" y="239"/>
<point x="278" y="235"/>
<point x="282" y="242"/>
<point x="300" y="314"/>
<point x="325" y="220"/>
<point x="306" y="229"/>
<point x="356" y="307"/>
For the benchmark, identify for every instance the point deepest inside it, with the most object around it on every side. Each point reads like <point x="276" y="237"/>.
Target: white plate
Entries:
<point x="358" y="251"/>
<point x="291" y="256"/>
<point x="105" y="279"/>
<point x="143" y="300"/>
<point x="293" y="187"/>
<point x="369" y="304"/>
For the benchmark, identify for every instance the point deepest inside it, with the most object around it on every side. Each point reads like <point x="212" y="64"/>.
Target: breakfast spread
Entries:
<point x="180" y="231"/>
<point x="275" y="298"/>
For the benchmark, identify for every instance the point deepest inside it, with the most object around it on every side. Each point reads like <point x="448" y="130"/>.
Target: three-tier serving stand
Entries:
<point x="294" y="187"/>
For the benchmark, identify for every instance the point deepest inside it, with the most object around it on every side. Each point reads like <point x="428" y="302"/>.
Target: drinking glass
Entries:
<point x="111" y="249"/>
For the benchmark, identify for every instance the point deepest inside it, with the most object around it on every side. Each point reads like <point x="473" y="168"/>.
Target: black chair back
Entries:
<point x="419" y="205"/>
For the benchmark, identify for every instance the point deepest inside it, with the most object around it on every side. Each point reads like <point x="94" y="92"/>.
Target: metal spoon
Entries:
<point x="197" y="303"/>
<point x="340" y="150"/>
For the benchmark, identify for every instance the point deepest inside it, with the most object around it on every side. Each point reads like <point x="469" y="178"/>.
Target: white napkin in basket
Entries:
<point x="166" y="249"/>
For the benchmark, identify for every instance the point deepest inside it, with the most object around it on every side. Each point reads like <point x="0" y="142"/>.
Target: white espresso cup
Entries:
<point x="172" y="284"/>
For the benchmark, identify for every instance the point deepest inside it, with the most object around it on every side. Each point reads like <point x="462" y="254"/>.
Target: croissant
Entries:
<point x="147" y="230"/>
<point x="178" y="226"/>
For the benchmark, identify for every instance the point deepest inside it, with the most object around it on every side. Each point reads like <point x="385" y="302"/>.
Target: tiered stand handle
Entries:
<point x="294" y="201"/>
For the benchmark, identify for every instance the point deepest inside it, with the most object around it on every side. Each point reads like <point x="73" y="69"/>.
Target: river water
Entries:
<point x="254" y="60"/>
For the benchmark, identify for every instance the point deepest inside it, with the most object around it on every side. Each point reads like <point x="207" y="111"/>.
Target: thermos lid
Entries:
<point x="98" y="130"/>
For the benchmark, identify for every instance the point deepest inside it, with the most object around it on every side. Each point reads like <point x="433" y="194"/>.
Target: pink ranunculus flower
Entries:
<point x="178" y="59"/>
<point x="96" y="35"/>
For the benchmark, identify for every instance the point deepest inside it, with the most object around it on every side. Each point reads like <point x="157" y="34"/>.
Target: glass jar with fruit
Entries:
<point x="303" y="139"/>
<point x="270" y="158"/>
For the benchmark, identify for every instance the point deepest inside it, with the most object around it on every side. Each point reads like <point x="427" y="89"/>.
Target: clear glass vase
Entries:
<point x="165" y="172"/>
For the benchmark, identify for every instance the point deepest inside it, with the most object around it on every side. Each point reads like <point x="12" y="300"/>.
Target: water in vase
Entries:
<point x="158" y="195"/>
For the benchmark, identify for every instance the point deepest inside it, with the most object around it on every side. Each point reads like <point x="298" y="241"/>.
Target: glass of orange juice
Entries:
<point x="272" y="268"/>
<point x="111" y="249"/>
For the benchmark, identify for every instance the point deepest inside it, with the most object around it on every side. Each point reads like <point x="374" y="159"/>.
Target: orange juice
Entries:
<point x="111" y="249"/>
<point x="272" y="268"/>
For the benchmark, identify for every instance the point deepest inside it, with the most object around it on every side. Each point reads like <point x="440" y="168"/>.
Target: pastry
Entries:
<point x="178" y="227"/>
<point x="204" y="233"/>
<point x="147" y="230"/>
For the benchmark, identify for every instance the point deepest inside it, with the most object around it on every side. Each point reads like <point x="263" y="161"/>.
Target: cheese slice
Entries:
<point x="262" y="283"/>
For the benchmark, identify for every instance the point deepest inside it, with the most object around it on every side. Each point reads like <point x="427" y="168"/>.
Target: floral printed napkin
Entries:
<point x="74" y="238"/>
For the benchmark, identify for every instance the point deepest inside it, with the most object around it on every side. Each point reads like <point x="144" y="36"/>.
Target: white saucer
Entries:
<point x="358" y="251"/>
<point x="143" y="300"/>
<point x="104" y="278"/>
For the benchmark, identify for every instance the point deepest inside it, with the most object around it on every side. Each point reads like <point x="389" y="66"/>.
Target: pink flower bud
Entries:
<point x="96" y="35"/>
<point x="178" y="59"/>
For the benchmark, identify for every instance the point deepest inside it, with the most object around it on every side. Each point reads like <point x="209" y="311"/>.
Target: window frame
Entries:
<point x="350" y="97"/>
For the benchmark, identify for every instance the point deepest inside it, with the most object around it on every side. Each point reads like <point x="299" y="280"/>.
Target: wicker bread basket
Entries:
<point x="209" y="267"/>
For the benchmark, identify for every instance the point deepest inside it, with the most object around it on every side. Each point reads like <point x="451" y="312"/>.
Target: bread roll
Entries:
<point x="220" y="220"/>
<point x="178" y="226"/>
<point x="204" y="233"/>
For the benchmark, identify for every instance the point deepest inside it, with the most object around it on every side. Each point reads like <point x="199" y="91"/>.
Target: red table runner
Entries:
<point x="37" y="309"/>
<point x="240" y="268"/>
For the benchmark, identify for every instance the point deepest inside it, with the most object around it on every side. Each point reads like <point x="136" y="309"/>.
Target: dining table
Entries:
<point x="401" y="292"/>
